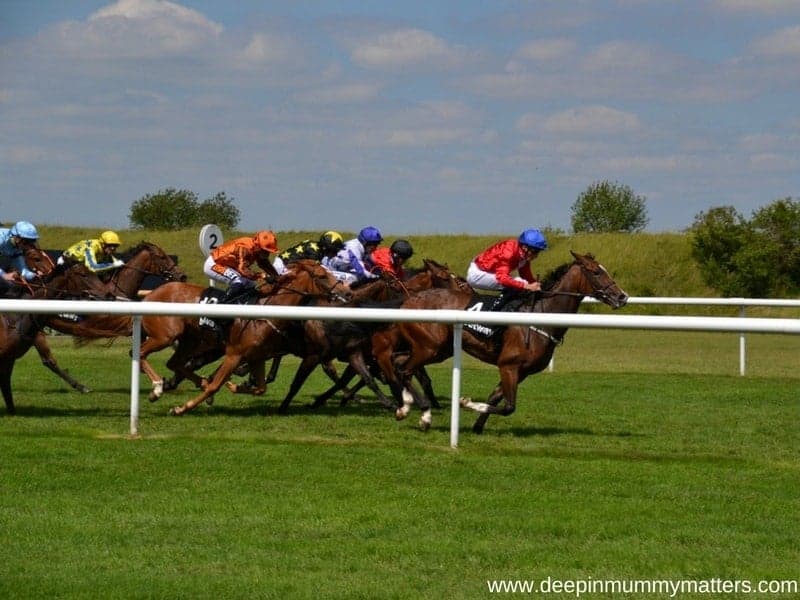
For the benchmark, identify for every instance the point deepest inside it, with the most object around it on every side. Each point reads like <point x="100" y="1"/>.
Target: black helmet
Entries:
<point x="331" y="241"/>
<point x="402" y="249"/>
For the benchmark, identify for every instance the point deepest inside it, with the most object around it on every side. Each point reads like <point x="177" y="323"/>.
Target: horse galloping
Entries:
<point x="517" y="351"/>
<point x="255" y="341"/>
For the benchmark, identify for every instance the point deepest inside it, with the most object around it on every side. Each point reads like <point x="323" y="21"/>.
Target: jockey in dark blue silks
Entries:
<point x="349" y="264"/>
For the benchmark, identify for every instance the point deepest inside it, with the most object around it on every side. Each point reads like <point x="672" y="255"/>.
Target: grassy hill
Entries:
<point x="643" y="264"/>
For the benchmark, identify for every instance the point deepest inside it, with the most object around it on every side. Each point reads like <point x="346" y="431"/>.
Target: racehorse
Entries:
<point x="349" y="342"/>
<point x="254" y="341"/>
<point x="18" y="333"/>
<point x="125" y="282"/>
<point x="76" y="281"/>
<point x="518" y="351"/>
<point x="195" y="345"/>
<point x="385" y="341"/>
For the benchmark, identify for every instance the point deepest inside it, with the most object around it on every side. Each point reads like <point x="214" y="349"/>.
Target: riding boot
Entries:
<point x="504" y="298"/>
<point x="234" y="293"/>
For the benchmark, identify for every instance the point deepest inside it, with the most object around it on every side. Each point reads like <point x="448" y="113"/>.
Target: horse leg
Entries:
<point x="409" y="393"/>
<point x="308" y="364"/>
<point x="46" y="354"/>
<point x="273" y="369"/>
<point x="427" y="386"/>
<point x="509" y="382"/>
<point x="339" y="383"/>
<point x="494" y="399"/>
<point x="6" y="367"/>
<point x="220" y="377"/>
<point x="150" y="345"/>
<point x="359" y="366"/>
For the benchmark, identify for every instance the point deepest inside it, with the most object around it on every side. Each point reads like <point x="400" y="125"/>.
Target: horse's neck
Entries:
<point x="128" y="280"/>
<point x="567" y="293"/>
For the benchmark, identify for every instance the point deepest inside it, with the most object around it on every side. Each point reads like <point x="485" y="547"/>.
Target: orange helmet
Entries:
<point x="265" y="240"/>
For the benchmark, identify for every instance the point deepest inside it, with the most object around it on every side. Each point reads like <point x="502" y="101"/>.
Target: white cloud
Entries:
<point x="267" y="48"/>
<point x="784" y="42"/>
<point x="405" y="48"/>
<point x="138" y="28"/>
<point x="590" y="120"/>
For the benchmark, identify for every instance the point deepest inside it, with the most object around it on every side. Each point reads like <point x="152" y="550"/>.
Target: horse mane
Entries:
<point x="133" y="250"/>
<point x="554" y="276"/>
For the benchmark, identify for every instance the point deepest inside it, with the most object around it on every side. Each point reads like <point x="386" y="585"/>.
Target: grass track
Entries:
<point x="643" y="456"/>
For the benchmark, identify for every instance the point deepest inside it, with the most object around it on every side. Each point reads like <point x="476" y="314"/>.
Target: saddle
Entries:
<point x="508" y="301"/>
<point x="213" y="295"/>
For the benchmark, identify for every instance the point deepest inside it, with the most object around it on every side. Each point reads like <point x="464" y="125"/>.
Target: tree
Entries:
<point x="178" y="209"/>
<point x="609" y="207"/>
<point x="218" y="210"/>
<point x="755" y="258"/>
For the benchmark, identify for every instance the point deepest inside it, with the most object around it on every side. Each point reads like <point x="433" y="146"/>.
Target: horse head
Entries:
<point x="443" y="277"/>
<point x="153" y="260"/>
<point x="599" y="284"/>
<point x="309" y="278"/>
<point x="38" y="260"/>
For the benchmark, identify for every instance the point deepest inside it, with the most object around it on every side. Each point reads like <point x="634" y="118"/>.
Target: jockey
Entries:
<point x="13" y="243"/>
<point x="97" y="254"/>
<point x="491" y="269"/>
<point x="348" y="264"/>
<point x="391" y="259"/>
<point x="326" y="247"/>
<point x="230" y="263"/>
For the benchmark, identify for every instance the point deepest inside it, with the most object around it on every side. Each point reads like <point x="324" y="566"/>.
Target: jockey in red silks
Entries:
<point x="492" y="268"/>
<point x="391" y="259"/>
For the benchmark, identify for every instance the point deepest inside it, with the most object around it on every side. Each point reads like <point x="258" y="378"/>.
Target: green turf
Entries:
<point x="642" y="456"/>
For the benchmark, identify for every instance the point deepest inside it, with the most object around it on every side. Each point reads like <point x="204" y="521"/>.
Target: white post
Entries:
<point x="741" y="345"/>
<point x="456" y="388"/>
<point x="135" y="350"/>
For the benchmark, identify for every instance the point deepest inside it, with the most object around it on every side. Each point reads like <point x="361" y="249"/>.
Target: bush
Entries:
<point x="177" y="209"/>
<point x="608" y="208"/>
<point x="756" y="258"/>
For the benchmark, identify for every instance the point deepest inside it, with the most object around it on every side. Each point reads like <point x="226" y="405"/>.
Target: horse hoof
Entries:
<point x="232" y="387"/>
<point x="83" y="389"/>
<point x="400" y="414"/>
<point x="464" y="401"/>
<point x="203" y="383"/>
<point x="424" y="425"/>
<point x="175" y="411"/>
<point x="153" y="397"/>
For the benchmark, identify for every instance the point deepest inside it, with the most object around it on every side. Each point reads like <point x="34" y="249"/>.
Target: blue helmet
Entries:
<point x="533" y="238"/>
<point x="25" y="230"/>
<point x="370" y="235"/>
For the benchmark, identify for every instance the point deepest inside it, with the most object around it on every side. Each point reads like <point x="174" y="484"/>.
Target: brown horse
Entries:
<point x="325" y="341"/>
<point x="518" y="351"/>
<point x="255" y="341"/>
<point x="385" y="340"/>
<point x="195" y="345"/>
<point x="19" y="332"/>
<point x="143" y="260"/>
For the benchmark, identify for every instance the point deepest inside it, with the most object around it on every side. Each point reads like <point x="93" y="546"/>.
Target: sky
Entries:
<point x="468" y="116"/>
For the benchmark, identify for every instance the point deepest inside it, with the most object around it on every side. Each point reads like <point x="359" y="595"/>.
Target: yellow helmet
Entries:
<point x="110" y="238"/>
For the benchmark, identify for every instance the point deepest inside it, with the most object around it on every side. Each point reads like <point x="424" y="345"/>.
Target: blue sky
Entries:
<point x="416" y="117"/>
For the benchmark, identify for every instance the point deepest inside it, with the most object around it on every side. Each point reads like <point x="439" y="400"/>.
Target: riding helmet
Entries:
<point x="110" y="238"/>
<point x="533" y="238"/>
<point x="25" y="230"/>
<point x="370" y="235"/>
<point x="402" y="249"/>
<point x="331" y="241"/>
<point x="265" y="240"/>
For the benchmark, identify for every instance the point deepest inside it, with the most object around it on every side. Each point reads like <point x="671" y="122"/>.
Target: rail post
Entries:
<point x="455" y="396"/>
<point x="135" y="360"/>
